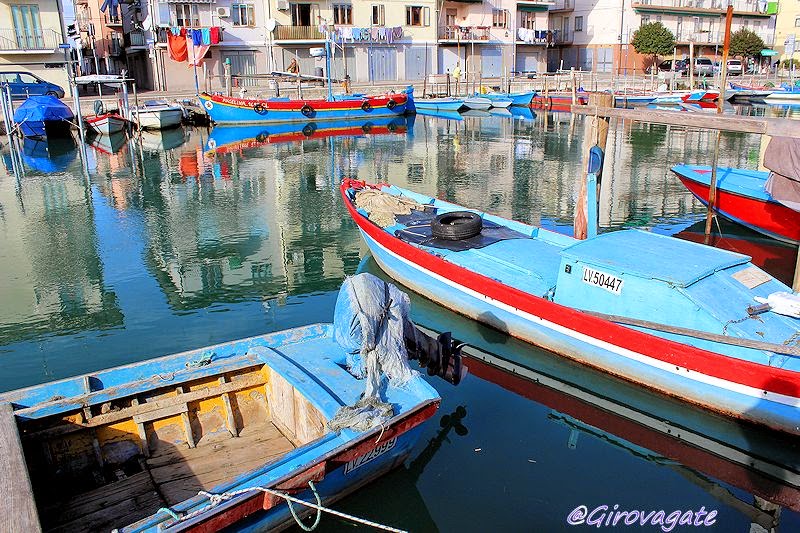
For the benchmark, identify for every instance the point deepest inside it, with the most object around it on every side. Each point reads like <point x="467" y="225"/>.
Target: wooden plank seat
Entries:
<point x="17" y="506"/>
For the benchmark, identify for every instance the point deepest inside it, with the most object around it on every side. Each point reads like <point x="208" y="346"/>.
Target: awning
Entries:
<point x="532" y="7"/>
<point x="766" y="52"/>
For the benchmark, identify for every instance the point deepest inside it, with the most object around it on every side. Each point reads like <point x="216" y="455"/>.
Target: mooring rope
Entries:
<point x="216" y="499"/>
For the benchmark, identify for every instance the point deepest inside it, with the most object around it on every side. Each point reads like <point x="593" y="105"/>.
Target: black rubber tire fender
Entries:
<point x="391" y="104"/>
<point x="456" y="225"/>
<point x="260" y="108"/>
<point x="309" y="129"/>
<point x="307" y="110"/>
<point x="366" y="107"/>
<point x="366" y="127"/>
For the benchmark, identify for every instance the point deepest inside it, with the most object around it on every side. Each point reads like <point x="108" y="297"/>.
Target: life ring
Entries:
<point x="212" y="144"/>
<point x="208" y="105"/>
<point x="309" y="129"/>
<point x="260" y="108"/>
<point x="391" y="104"/>
<point x="366" y="107"/>
<point x="366" y="127"/>
<point x="307" y="110"/>
<point x="456" y="225"/>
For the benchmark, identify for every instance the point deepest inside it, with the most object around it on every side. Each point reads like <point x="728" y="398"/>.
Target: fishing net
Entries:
<point x="381" y="207"/>
<point x="368" y="323"/>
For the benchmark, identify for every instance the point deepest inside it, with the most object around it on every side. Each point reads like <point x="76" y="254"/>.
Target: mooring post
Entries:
<point x="574" y="88"/>
<point x="712" y="189"/>
<point x="595" y="133"/>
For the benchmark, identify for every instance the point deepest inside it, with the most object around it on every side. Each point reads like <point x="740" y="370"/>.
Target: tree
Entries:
<point x="653" y="39"/>
<point x="746" y="43"/>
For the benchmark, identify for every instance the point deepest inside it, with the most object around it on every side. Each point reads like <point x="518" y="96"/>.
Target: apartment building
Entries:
<point x="30" y="34"/>
<point x="595" y="35"/>
<point x="113" y="39"/>
<point x="787" y="25"/>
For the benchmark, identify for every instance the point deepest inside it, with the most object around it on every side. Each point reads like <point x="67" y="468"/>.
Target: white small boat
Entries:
<point x="478" y="103"/>
<point x="501" y="103"/>
<point x="105" y="123"/>
<point x="157" y="115"/>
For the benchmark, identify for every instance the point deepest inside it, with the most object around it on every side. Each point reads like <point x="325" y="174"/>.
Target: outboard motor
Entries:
<point x="441" y="356"/>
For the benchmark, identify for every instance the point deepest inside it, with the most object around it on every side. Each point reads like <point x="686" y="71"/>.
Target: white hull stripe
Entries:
<point x="746" y="390"/>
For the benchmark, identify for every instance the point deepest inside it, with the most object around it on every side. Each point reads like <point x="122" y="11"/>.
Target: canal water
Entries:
<point x="192" y="237"/>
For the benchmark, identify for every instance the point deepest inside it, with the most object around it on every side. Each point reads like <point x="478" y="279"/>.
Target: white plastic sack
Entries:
<point x="783" y="303"/>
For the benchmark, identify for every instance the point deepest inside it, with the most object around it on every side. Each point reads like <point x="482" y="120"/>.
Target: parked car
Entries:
<point x="25" y="84"/>
<point x="666" y="66"/>
<point x="703" y="66"/>
<point x="735" y="67"/>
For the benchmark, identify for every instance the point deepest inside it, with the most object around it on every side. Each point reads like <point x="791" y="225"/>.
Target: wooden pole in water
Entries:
<point x="574" y="89"/>
<point x="595" y="132"/>
<point x="796" y="281"/>
<point x="726" y="45"/>
<point x="712" y="189"/>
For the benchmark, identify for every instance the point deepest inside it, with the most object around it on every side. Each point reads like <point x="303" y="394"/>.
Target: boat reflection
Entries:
<point x="524" y="113"/>
<point x="447" y="115"/>
<point x="107" y="144"/>
<point x="224" y="139"/>
<point x="49" y="154"/>
<point x="168" y="139"/>
<point x="709" y="450"/>
<point x="775" y="257"/>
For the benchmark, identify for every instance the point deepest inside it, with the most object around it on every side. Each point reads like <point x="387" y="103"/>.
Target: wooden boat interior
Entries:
<point x="111" y="455"/>
<point x="707" y="289"/>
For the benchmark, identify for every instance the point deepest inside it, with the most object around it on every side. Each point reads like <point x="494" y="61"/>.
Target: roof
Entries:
<point x="649" y="255"/>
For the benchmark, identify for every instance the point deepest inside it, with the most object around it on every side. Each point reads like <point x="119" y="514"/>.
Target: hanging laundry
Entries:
<point x="215" y="35"/>
<point x="522" y="33"/>
<point x="356" y="34"/>
<point x="382" y="34"/>
<point x="197" y="37"/>
<point x="389" y="35"/>
<point x="175" y="31"/>
<point x="206" y="33"/>
<point x="177" y="47"/>
<point x="374" y="34"/>
<point x="197" y="53"/>
<point x="397" y="33"/>
<point x="347" y="33"/>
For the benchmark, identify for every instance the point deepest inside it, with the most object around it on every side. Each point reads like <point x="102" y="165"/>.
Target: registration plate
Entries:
<point x="370" y="455"/>
<point x="602" y="280"/>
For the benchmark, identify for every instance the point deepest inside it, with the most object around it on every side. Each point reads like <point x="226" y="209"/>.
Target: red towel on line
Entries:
<point x="214" y="31"/>
<point x="176" y="45"/>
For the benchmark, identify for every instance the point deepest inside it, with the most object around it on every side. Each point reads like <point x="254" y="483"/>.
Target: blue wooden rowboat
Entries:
<point x="517" y="99"/>
<point x="439" y="104"/>
<point x="668" y="314"/>
<point x="131" y="447"/>
<point x="231" y="110"/>
<point x="40" y="116"/>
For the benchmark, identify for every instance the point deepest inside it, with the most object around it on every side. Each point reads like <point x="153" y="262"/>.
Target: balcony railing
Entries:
<point x="742" y="6"/>
<point x="563" y="5"/>
<point x="561" y="37"/>
<point x="13" y="40"/>
<point x="134" y="38"/>
<point x="298" y="33"/>
<point x="116" y="47"/>
<point x="112" y="21"/>
<point x="464" y="33"/>
<point x="716" y="37"/>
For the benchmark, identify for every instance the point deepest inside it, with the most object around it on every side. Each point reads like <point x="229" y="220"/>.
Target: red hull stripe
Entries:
<point x="681" y="355"/>
<point x="299" y="136"/>
<point x="768" y="216"/>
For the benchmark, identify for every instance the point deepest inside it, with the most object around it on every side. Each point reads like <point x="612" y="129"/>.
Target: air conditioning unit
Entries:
<point x="283" y="5"/>
<point x="223" y="12"/>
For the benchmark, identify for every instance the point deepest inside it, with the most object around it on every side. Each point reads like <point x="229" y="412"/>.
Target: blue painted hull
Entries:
<point x="517" y="99"/>
<point x="439" y="104"/>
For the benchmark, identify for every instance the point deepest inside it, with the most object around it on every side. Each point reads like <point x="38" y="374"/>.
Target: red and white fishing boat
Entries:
<point x="106" y="123"/>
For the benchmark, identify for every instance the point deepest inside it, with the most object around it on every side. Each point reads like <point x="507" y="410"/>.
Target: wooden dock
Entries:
<point x="776" y="127"/>
<point x="18" y="508"/>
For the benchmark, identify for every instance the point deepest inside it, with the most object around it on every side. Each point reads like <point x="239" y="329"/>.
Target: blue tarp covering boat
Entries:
<point x="39" y="116"/>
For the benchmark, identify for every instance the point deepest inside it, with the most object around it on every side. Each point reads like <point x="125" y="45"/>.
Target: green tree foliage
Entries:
<point x="746" y="43"/>
<point x="653" y="39"/>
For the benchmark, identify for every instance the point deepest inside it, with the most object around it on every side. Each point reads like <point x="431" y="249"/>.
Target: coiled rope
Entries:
<point x="216" y="499"/>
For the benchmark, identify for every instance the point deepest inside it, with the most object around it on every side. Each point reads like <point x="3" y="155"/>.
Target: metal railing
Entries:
<point x="286" y="33"/>
<point x="716" y="37"/>
<point x="134" y="38"/>
<point x="112" y="21"/>
<point x="749" y="6"/>
<point x="464" y="33"/>
<point x="13" y="39"/>
<point x="563" y="5"/>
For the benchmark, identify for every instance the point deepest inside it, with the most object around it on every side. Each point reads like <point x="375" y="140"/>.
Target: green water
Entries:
<point x="165" y="245"/>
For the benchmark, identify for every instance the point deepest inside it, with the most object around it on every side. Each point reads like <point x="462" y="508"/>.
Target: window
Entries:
<point x="301" y="14"/>
<point x="527" y="20"/>
<point x="645" y="20"/>
<point x="797" y="22"/>
<point x="500" y="18"/>
<point x="378" y="15"/>
<point x="579" y="23"/>
<point x="184" y="15"/>
<point x="343" y="14"/>
<point x="27" y="78"/>
<point x="418" y="16"/>
<point x="27" y="26"/>
<point x="243" y="14"/>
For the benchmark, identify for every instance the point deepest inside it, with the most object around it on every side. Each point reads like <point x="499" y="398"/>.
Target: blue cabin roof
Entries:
<point x="650" y="255"/>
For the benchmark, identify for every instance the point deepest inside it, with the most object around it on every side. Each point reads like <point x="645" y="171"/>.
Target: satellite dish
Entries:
<point x="271" y="24"/>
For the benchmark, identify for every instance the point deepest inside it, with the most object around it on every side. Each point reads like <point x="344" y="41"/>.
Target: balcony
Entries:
<point x="715" y="38"/>
<point x="562" y="6"/>
<point x="689" y="7"/>
<point x="135" y="38"/>
<point x="561" y="38"/>
<point x="13" y="41"/>
<point x="462" y="34"/>
<point x="526" y="36"/>
<point x="112" y="21"/>
<point x="298" y="33"/>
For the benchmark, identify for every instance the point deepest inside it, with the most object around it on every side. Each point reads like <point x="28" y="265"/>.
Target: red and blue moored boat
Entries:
<point x="742" y="198"/>
<point x="670" y="315"/>
<point x="231" y="110"/>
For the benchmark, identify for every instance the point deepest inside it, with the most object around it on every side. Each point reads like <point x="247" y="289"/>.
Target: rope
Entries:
<point x="216" y="499"/>
<point x="203" y="361"/>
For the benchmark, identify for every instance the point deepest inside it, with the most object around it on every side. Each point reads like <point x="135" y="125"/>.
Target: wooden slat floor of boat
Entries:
<point x="178" y="472"/>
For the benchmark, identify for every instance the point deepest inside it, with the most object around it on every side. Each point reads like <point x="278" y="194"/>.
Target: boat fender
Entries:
<point x="309" y="129"/>
<point x="456" y="225"/>
<point x="260" y="108"/>
<point x="391" y="104"/>
<point x="366" y="127"/>
<point x="262" y="137"/>
<point x="307" y="110"/>
<point x="392" y="127"/>
<point x="366" y="106"/>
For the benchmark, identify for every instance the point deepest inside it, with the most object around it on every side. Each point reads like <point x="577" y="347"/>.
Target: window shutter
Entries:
<point x="426" y="20"/>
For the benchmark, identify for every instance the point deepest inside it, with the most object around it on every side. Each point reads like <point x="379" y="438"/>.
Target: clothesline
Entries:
<point x="181" y="40"/>
<point x="199" y="36"/>
<point x="374" y="33"/>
